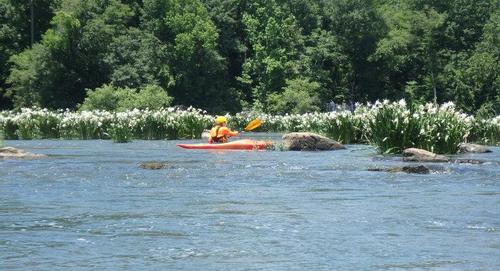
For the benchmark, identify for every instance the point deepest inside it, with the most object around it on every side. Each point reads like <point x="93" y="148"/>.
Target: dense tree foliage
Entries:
<point x="15" y="32"/>
<point x="111" y="98"/>
<point x="273" y="55"/>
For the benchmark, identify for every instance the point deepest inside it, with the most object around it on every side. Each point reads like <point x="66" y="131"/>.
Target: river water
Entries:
<point x="89" y="206"/>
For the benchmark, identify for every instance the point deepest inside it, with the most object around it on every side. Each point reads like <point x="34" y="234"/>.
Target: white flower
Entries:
<point x="402" y="103"/>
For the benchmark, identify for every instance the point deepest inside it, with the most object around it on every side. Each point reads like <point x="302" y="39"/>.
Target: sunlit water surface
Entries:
<point x="89" y="206"/>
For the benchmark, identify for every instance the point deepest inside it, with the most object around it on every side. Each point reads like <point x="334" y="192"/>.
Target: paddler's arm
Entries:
<point x="228" y="132"/>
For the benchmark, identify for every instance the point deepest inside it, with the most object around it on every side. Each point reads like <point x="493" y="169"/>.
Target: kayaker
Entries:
<point x="220" y="133"/>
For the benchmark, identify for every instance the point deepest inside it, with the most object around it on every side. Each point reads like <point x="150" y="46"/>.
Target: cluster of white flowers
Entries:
<point x="30" y="115"/>
<point x="87" y="118"/>
<point x="36" y="122"/>
<point x="488" y="130"/>
<point x="433" y="127"/>
<point x="383" y="121"/>
<point x="494" y="121"/>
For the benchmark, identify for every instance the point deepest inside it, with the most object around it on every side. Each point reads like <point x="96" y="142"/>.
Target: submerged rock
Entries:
<point x="419" y="155"/>
<point x="13" y="153"/>
<point x="309" y="142"/>
<point x="154" y="165"/>
<point x="468" y="161"/>
<point x="420" y="169"/>
<point x="473" y="148"/>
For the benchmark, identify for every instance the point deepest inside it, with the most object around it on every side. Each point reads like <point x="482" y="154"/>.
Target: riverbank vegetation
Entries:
<point x="168" y="123"/>
<point x="275" y="56"/>
<point x="390" y="126"/>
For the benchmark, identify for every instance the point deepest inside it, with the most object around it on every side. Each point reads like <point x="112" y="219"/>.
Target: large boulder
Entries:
<point x="419" y="155"/>
<point x="474" y="148"/>
<point x="309" y="142"/>
<point x="13" y="153"/>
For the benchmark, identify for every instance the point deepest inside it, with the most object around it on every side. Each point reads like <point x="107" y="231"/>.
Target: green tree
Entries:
<point x="464" y="23"/>
<point x="110" y="98"/>
<point x="307" y="14"/>
<point x="357" y="26"/>
<point x="299" y="96"/>
<point x="15" y="18"/>
<point x="274" y="43"/>
<point x="473" y="80"/>
<point x="191" y="38"/>
<point x="38" y="76"/>
<point x="410" y="51"/>
<point x="220" y="55"/>
<point x="227" y="15"/>
<point x="138" y="58"/>
<point x="71" y="55"/>
<point x="327" y="64"/>
<point x="428" y="44"/>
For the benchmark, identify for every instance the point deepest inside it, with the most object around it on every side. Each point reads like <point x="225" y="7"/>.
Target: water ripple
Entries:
<point x="90" y="207"/>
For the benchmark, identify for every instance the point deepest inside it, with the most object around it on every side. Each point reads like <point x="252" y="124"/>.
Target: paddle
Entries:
<point x="253" y="124"/>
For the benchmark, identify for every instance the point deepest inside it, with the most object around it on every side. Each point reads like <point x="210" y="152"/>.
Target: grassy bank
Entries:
<point x="390" y="126"/>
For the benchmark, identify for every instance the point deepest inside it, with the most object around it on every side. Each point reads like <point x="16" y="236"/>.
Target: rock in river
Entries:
<point x="13" y="153"/>
<point x="416" y="169"/>
<point x="419" y="155"/>
<point x="468" y="161"/>
<point x="309" y="142"/>
<point x="420" y="169"/>
<point x="474" y="148"/>
<point x="154" y="165"/>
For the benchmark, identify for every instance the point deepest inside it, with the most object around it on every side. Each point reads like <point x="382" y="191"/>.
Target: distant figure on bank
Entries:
<point x="220" y="133"/>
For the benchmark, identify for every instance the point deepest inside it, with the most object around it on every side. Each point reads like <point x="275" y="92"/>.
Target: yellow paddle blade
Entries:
<point x="253" y="124"/>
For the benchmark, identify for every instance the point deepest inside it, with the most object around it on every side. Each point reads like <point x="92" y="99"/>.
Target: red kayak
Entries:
<point x="244" y="144"/>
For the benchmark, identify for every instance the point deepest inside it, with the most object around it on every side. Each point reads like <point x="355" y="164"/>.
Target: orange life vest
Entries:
<point x="220" y="134"/>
